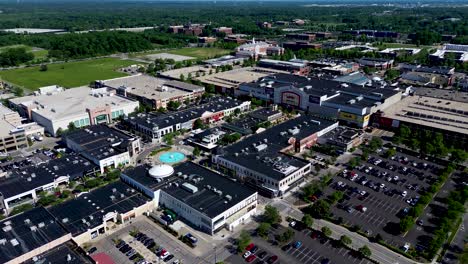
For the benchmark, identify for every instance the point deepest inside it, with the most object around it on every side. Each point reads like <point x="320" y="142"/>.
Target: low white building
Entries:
<point x="55" y="108"/>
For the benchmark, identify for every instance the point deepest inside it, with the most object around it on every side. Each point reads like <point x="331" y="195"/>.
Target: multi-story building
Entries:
<point x="205" y="199"/>
<point x="294" y="66"/>
<point x="105" y="146"/>
<point x="155" y="126"/>
<point x="262" y="160"/>
<point x="152" y="91"/>
<point x="351" y="104"/>
<point x="55" y="108"/>
<point x="257" y="49"/>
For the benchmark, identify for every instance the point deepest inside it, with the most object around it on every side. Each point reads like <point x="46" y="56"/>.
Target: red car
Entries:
<point x="314" y="235"/>
<point x="251" y="258"/>
<point x="250" y="246"/>
<point x="272" y="259"/>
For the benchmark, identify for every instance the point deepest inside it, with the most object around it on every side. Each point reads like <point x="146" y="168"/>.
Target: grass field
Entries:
<point x="401" y="45"/>
<point x="199" y="53"/>
<point x="71" y="74"/>
<point x="38" y="53"/>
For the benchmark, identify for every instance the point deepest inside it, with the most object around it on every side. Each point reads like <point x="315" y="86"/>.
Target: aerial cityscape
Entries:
<point x="232" y="132"/>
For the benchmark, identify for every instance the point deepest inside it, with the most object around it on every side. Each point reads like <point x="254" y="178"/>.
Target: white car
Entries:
<point x="292" y="224"/>
<point x="406" y="247"/>
<point x="404" y="193"/>
<point x="382" y="186"/>
<point x="165" y="255"/>
<point x="247" y="254"/>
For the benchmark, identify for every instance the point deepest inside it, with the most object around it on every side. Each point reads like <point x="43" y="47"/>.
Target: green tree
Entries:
<point x="326" y="231"/>
<point x="71" y="126"/>
<point x="271" y="215"/>
<point x="406" y="223"/>
<point x="263" y="230"/>
<point x="335" y="197"/>
<point x="196" y="152"/>
<point x="43" y="68"/>
<point x="345" y="240"/>
<point x="458" y="155"/>
<point x="198" y="124"/>
<point x="365" y="251"/>
<point x="243" y="241"/>
<point x="320" y="209"/>
<point x="307" y="220"/>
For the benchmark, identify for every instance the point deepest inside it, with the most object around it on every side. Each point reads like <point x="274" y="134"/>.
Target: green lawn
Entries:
<point x="38" y="52"/>
<point x="71" y="74"/>
<point x="199" y="53"/>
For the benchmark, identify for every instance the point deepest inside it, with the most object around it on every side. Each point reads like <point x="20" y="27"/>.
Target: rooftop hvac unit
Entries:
<point x="189" y="187"/>
<point x="6" y="228"/>
<point x="14" y="242"/>
<point x="2" y="241"/>
<point x="41" y="225"/>
<point x="27" y="221"/>
<point x="65" y="220"/>
<point x="33" y="228"/>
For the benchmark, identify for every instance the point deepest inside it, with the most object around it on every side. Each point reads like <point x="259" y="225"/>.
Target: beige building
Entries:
<point x="12" y="136"/>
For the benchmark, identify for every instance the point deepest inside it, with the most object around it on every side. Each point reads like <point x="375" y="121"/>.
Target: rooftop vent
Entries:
<point x="14" y="242"/>
<point x="41" y="225"/>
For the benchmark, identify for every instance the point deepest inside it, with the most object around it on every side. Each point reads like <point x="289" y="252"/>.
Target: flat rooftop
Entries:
<point x="152" y="87"/>
<point x="212" y="105"/>
<point x="450" y="95"/>
<point x="261" y="152"/>
<point x="215" y="192"/>
<point x="89" y="209"/>
<point x="233" y="78"/>
<point x="28" y="231"/>
<point x="6" y="115"/>
<point x="33" y="30"/>
<point x="100" y="141"/>
<point x="71" y="102"/>
<point x="432" y="112"/>
<point x="65" y="253"/>
<point x="34" y="176"/>
<point x="185" y="71"/>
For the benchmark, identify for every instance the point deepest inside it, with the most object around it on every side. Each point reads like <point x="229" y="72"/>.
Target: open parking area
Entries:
<point x="381" y="190"/>
<point x="307" y="246"/>
<point x="148" y="251"/>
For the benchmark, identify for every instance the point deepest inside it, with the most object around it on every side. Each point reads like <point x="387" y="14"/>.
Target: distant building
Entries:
<point x="256" y="49"/>
<point x="301" y="36"/>
<point x="344" y="138"/>
<point x="105" y="146"/>
<point x="207" y="139"/>
<point x="207" y="40"/>
<point x="322" y="35"/>
<point x="295" y="66"/>
<point x="226" y="30"/>
<point x="436" y="77"/>
<point x="264" y="24"/>
<point x="225" y="60"/>
<point x="55" y="109"/>
<point x="451" y="52"/>
<point x="237" y="38"/>
<point x="373" y="33"/>
<point x="339" y="68"/>
<point x="297" y="45"/>
<point x="378" y="63"/>
<point x="12" y="136"/>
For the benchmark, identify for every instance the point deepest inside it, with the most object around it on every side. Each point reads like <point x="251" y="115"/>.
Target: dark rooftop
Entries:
<point x="215" y="193"/>
<point x="35" y="176"/>
<point x="25" y="232"/>
<point x="140" y="174"/>
<point x="65" y="253"/>
<point x="261" y="152"/>
<point x="158" y="120"/>
<point x="100" y="141"/>
<point x="88" y="210"/>
<point x="321" y="86"/>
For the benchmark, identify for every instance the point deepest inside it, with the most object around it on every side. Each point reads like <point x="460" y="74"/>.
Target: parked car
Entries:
<point x="92" y="250"/>
<point x="297" y="244"/>
<point x="262" y="254"/>
<point x="250" y="246"/>
<point x="251" y="258"/>
<point x="247" y="254"/>
<point x="272" y="259"/>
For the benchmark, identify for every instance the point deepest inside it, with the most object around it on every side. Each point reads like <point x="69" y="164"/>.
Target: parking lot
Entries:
<point x="314" y="249"/>
<point x="381" y="190"/>
<point x="161" y="239"/>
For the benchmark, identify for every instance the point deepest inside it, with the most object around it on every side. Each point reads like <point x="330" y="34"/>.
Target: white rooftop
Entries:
<point x="72" y="102"/>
